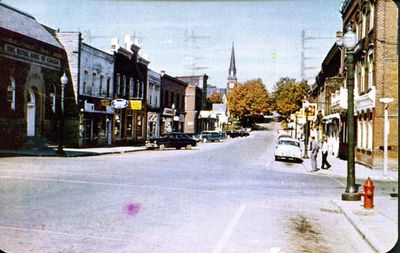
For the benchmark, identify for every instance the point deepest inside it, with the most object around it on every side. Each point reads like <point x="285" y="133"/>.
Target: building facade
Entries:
<point x="130" y="83"/>
<point x="92" y="74"/>
<point x="32" y="62"/>
<point x="153" y="103"/>
<point x="375" y="23"/>
<point x="172" y="108"/>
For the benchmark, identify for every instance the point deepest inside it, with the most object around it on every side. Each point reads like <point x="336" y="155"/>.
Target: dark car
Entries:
<point x="171" y="140"/>
<point x="210" y="136"/>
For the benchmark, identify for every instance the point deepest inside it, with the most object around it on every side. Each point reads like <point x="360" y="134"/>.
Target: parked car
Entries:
<point x="210" y="136"/>
<point x="171" y="140"/>
<point x="284" y="136"/>
<point x="288" y="148"/>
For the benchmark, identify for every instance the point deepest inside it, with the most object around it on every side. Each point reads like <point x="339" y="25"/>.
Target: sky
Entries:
<point x="195" y="37"/>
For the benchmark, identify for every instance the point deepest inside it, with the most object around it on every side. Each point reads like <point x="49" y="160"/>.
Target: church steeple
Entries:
<point x="232" y="66"/>
<point x="232" y="80"/>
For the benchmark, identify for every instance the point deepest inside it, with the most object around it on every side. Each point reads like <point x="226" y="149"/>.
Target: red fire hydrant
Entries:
<point x="368" y="193"/>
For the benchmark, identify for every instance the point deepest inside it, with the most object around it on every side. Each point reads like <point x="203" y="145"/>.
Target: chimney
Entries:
<point x="162" y="72"/>
<point x="114" y="44"/>
<point x="128" y="42"/>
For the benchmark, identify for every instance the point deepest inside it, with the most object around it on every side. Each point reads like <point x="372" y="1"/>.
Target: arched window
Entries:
<point x="11" y="93"/>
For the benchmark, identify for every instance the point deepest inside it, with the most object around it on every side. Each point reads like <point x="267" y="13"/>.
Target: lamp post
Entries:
<point x="306" y="106"/>
<point x="64" y="81"/>
<point x="349" y="42"/>
<point x="386" y="102"/>
<point x="173" y="116"/>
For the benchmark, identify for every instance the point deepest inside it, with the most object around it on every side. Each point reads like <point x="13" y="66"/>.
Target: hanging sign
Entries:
<point x="119" y="103"/>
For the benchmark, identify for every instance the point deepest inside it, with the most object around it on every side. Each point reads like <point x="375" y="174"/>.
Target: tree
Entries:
<point x="289" y="95"/>
<point x="215" y="98"/>
<point x="249" y="99"/>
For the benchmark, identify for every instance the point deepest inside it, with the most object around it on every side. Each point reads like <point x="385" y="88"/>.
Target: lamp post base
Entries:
<point x="347" y="196"/>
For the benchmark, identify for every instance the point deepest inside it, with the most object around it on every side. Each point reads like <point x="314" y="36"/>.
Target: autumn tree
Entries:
<point x="288" y="95"/>
<point x="249" y="99"/>
<point x="215" y="98"/>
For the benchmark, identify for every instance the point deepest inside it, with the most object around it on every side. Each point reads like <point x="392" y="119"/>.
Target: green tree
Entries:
<point x="249" y="99"/>
<point x="288" y="95"/>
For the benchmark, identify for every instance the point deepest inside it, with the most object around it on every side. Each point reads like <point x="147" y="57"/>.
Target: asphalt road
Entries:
<point x="218" y="197"/>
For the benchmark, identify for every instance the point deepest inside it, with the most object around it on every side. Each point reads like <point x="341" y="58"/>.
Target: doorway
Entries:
<point x="31" y="113"/>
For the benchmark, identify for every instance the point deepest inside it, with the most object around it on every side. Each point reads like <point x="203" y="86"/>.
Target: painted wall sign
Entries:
<point x="31" y="56"/>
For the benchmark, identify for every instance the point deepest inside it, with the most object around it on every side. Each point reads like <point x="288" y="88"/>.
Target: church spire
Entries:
<point x="232" y="66"/>
<point x="232" y="80"/>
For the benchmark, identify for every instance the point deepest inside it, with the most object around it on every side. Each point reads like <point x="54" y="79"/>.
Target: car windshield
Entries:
<point x="289" y="142"/>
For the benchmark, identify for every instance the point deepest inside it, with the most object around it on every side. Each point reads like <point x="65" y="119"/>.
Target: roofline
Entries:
<point x="18" y="10"/>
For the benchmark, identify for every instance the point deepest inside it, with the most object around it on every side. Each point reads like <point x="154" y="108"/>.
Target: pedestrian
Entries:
<point x="325" y="148"/>
<point x="314" y="153"/>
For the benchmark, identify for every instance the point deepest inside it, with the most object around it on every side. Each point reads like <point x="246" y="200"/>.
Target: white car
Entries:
<point x="288" y="148"/>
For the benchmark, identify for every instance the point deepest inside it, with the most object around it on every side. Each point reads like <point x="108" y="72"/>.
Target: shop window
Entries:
<point x="129" y="124"/>
<point x="11" y="90"/>
<point x="359" y="133"/>
<point x="139" y="132"/>
<point x="103" y="128"/>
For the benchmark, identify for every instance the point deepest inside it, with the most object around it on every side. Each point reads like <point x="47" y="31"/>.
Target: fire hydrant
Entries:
<point x="368" y="193"/>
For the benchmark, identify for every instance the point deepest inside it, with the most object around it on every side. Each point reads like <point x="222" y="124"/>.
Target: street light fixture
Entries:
<point x="349" y="41"/>
<point x="306" y="106"/>
<point x="64" y="81"/>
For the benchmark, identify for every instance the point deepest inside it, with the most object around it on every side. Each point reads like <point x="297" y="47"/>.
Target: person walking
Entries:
<point x="314" y="153"/>
<point x="325" y="148"/>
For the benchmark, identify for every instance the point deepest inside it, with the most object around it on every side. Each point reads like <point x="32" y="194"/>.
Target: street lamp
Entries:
<point x="306" y="106"/>
<point x="349" y="41"/>
<point x="173" y="116"/>
<point x="64" y="81"/>
<point x="386" y="102"/>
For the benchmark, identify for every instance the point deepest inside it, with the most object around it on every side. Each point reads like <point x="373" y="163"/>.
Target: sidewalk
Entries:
<point x="378" y="226"/>
<point x="72" y="152"/>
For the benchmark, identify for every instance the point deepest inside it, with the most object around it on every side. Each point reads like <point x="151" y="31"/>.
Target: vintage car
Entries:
<point x="288" y="148"/>
<point x="211" y="136"/>
<point x="171" y="140"/>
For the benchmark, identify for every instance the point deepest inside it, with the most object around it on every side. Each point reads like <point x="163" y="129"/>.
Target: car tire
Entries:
<point x="178" y="147"/>
<point x="161" y="147"/>
<point x="189" y="146"/>
<point x="276" y="158"/>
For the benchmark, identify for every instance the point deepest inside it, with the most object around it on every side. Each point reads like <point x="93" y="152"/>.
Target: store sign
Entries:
<point x="119" y="103"/>
<point x="135" y="104"/>
<point x="31" y="56"/>
<point x="105" y="102"/>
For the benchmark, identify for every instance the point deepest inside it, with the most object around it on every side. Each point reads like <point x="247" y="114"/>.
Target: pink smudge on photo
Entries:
<point x="132" y="209"/>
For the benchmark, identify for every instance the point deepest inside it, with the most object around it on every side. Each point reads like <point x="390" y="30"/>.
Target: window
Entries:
<point x="131" y="83"/>
<point x="94" y="81"/>
<point x="142" y="90"/>
<point x="370" y="70"/>
<point x="371" y="16"/>
<point x="101" y="93"/>
<point x="370" y="132"/>
<point x="137" y="88"/>
<point x="364" y="25"/>
<point x="108" y="86"/>
<point x="362" y="79"/>
<point x="85" y="82"/>
<point x="364" y="132"/>
<point x="11" y="94"/>
<point x="356" y="73"/>
<point x="52" y="99"/>
<point x="118" y="84"/>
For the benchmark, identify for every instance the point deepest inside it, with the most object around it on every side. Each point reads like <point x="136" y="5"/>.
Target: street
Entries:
<point x="218" y="197"/>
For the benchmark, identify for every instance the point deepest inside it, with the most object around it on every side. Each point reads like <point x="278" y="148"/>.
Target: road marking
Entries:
<point x="229" y="230"/>
<point x="62" y="233"/>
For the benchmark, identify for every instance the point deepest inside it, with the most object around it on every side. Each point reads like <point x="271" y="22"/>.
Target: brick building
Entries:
<point x="376" y="69"/>
<point x="32" y="62"/>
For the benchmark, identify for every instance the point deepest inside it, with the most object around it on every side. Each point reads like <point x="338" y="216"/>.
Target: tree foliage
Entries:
<point x="215" y="98"/>
<point x="289" y="95"/>
<point x="249" y="99"/>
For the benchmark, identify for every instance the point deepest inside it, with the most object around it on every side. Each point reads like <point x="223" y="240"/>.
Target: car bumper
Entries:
<point x="150" y="145"/>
